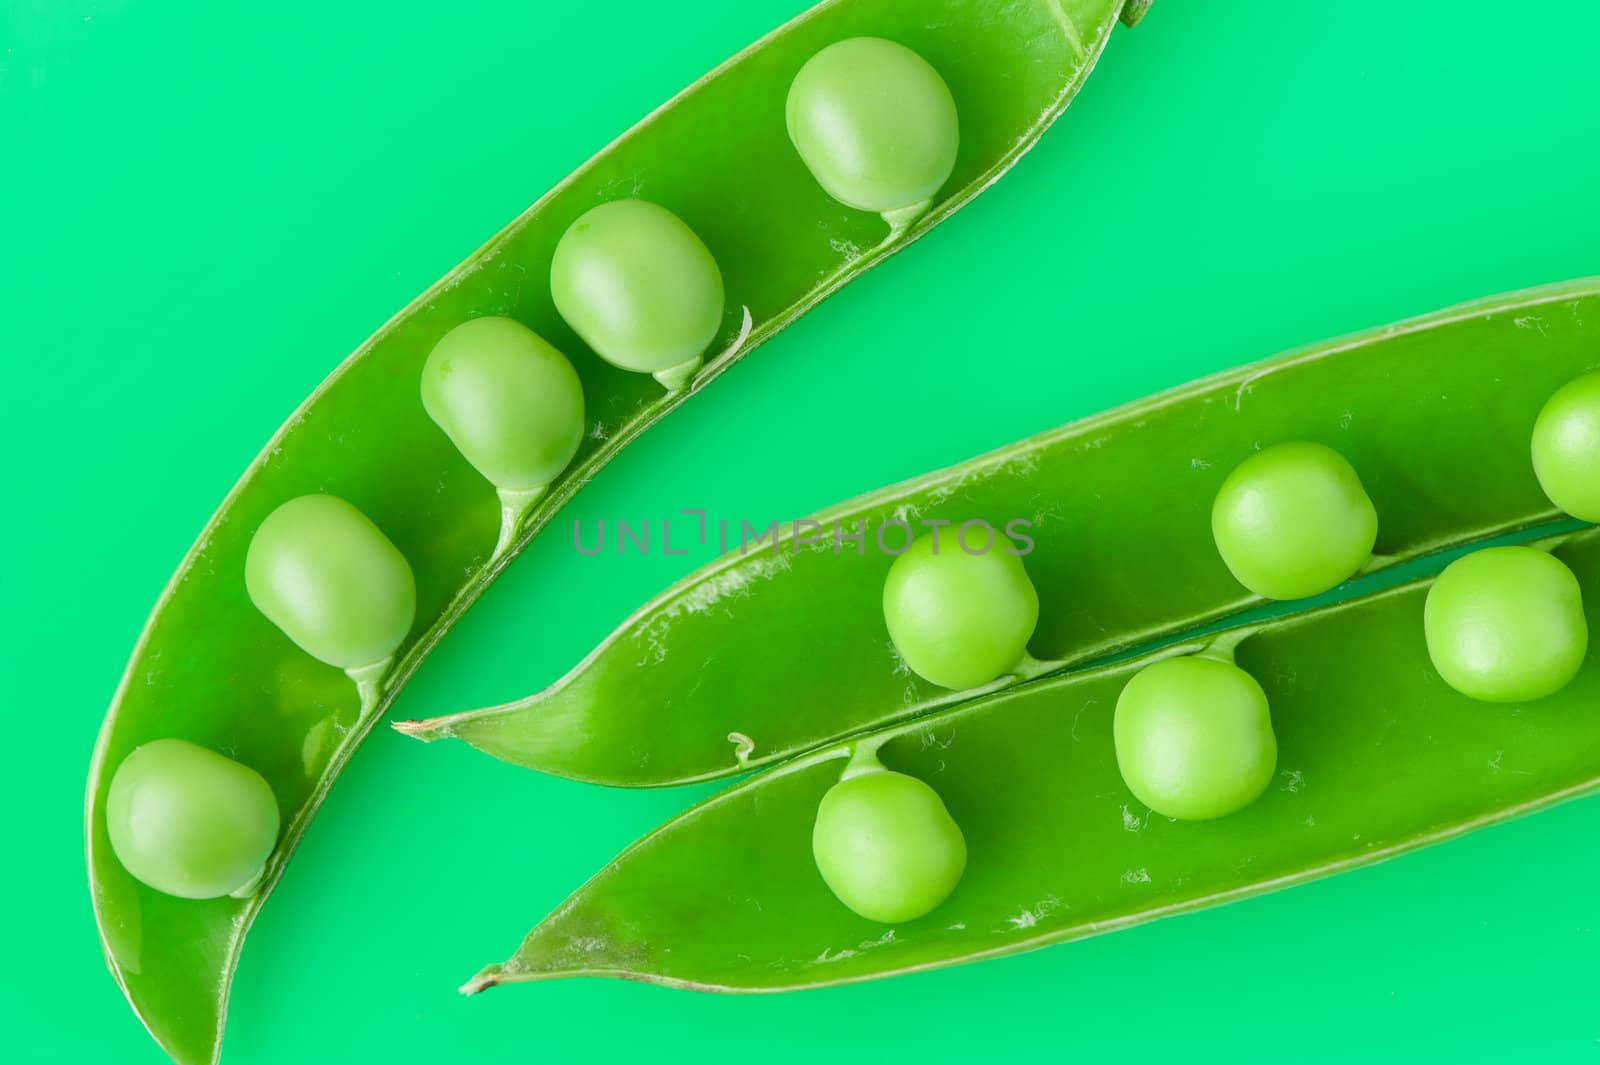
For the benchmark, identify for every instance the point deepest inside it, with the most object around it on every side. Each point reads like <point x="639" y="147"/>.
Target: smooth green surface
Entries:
<point x="1423" y="407"/>
<point x="1194" y="738"/>
<point x="638" y="285"/>
<point x="507" y="399"/>
<point x="188" y="821"/>
<point x="875" y="124"/>
<point x="321" y="571"/>
<point x="197" y="232"/>
<point x="1029" y="776"/>
<point x="956" y="619"/>
<point x="886" y="846"/>
<point x="1293" y="521"/>
<point x="1506" y="625"/>
<point x="1566" y="447"/>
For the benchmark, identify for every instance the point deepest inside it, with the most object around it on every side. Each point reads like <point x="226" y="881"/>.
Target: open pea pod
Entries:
<point x="210" y="669"/>
<point x="1376" y="756"/>
<point x="1435" y="413"/>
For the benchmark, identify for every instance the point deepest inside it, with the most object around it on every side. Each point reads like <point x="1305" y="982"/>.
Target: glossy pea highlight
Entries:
<point x="960" y="620"/>
<point x="321" y="571"/>
<point x="641" y="289"/>
<point x="886" y="845"/>
<point x="1566" y="447"/>
<point x="190" y="822"/>
<point x="1293" y="520"/>
<point x="875" y="124"/>
<point x="1506" y="625"/>
<point x="1194" y="738"/>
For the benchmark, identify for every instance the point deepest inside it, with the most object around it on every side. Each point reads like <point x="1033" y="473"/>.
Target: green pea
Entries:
<point x="1566" y="447"/>
<point x="886" y="846"/>
<point x="509" y="401"/>
<point x="640" y="288"/>
<point x="1506" y="625"/>
<point x="190" y="822"/>
<point x="875" y="124"/>
<point x="959" y="620"/>
<point x="1194" y="738"/>
<point x="324" y="574"/>
<point x="1293" y="520"/>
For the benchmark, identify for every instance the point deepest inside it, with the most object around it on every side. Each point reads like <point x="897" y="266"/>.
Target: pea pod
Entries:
<point x="211" y="670"/>
<point x="1434" y="413"/>
<point x="1377" y="756"/>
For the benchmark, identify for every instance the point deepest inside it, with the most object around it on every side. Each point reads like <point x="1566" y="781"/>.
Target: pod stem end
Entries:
<point x="486" y="979"/>
<point x="427" y="731"/>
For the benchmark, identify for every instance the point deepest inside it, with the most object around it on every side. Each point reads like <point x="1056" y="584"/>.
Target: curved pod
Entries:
<point x="781" y="244"/>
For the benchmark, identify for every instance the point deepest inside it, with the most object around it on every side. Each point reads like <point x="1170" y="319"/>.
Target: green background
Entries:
<point x="202" y="210"/>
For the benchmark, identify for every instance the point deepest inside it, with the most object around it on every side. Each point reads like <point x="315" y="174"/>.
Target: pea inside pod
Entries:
<point x="640" y="288"/>
<point x="876" y="125"/>
<point x="512" y="405"/>
<point x="190" y="822"/>
<point x="1506" y="625"/>
<point x="321" y="571"/>
<point x="960" y="619"/>
<point x="1194" y="737"/>
<point x="1566" y="447"/>
<point x="885" y="843"/>
<point x="1293" y="521"/>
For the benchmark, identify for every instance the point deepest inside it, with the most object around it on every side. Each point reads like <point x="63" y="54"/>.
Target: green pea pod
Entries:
<point x="1435" y="414"/>
<point x="1377" y="756"/>
<point x="210" y="669"/>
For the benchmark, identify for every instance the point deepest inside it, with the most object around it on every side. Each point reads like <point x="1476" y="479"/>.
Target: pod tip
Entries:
<point x="482" y="982"/>
<point x="427" y="730"/>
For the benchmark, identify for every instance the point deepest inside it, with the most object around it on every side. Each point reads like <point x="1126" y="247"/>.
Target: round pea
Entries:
<point x="875" y="124"/>
<point x="188" y="821"/>
<point x="509" y="401"/>
<point x="1506" y="625"/>
<point x="638" y="286"/>
<point x="1566" y="447"/>
<point x="958" y="619"/>
<point x="1293" y="520"/>
<point x="887" y="847"/>
<point x="324" y="574"/>
<point x="1194" y="738"/>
